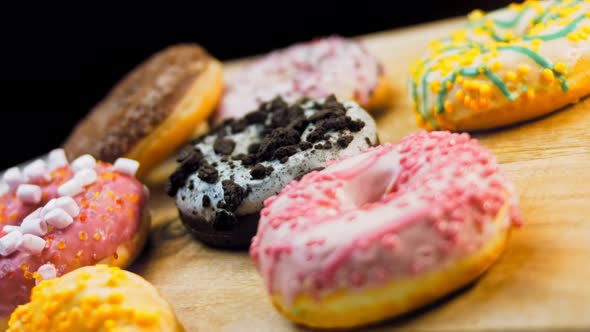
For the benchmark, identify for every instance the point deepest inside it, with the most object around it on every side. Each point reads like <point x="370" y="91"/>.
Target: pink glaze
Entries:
<point x="331" y="65"/>
<point x="110" y="215"/>
<point x="392" y="212"/>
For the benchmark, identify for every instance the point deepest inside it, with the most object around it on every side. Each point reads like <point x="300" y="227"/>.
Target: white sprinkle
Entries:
<point x="86" y="176"/>
<point x="36" y="170"/>
<point x="13" y="177"/>
<point x="10" y="242"/>
<point x="83" y="162"/>
<point x="47" y="271"/>
<point x="33" y="225"/>
<point x="58" y="218"/>
<point x="29" y="193"/>
<point x="10" y="228"/>
<point x="4" y="188"/>
<point x="32" y="244"/>
<point x="69" y="205"/>
<point x="70" y="188"/>
<point x="57" y="158"/>
<point x="126" y="166"/>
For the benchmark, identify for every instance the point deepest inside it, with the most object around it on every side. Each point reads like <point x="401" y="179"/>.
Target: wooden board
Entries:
<point x="542" y="282"/>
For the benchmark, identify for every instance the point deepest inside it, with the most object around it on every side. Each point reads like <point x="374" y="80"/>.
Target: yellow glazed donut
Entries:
<point x="511" y="65"/>
<point x="95" y="298"/>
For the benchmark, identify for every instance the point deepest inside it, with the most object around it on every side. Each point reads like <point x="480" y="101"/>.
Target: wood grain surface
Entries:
<point x="541" y="283"/>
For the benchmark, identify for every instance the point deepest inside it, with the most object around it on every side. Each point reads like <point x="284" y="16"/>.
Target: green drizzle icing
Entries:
<point x="540" y="61"/>
<point x="561" y="33"/>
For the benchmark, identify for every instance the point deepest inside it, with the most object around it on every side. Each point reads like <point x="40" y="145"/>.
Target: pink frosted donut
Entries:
<point x="384" y="232"/>
<point x="331" y="65"/>
<point x="56" y="217"/>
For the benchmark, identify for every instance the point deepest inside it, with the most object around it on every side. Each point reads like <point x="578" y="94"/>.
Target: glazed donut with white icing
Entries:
<point x="226" y="175"/>
<point x="95" y="298"/>
<point x="153" y="110"/>
<point x="512" y="65"/>
<point x="317" y="69"/>
<point x="384" y="232"/>
<point x="57" y="216"/>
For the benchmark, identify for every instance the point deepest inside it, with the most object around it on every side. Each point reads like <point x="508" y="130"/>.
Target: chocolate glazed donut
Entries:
<point x="225" y="176"/>
<point x="153" y="110"/>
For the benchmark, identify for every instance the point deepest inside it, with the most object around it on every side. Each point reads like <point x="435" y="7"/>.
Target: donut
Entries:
<point x="66" y="215"/>
<point x="511" y="65"/>
<point x="153" y="110"/>
<point x="384" y="232"/>
<point x="95" y="298"/>
<point x="225" y="176"/>
<point x="317" y="69"/>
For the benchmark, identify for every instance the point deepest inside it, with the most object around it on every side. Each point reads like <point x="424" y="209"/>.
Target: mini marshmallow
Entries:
<point x="10" y="228"/>
<point x="36" y="170"/>
<point x="32" y="244"/>
<point x="83" y="162"/>
<point x="58" y="218"/>
<point x="47" y="271"/>
<point x="48" y="207"/>
<point x="10" y="242"/>
<point x="33" y="225"/>
<point x="70" y="188"/>
<point x="13" y="177"/>
<point x="126" y="166"/>
<point x="29" y="193"/>
<point x="4" y="188"/>
<point x="86" y="176"/>
<point x="57" y="158"/>
<point x="69" y="205"/>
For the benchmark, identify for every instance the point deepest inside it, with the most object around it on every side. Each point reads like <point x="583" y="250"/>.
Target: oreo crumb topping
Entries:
<point x="368" y="140"/>
<point x="206" y="201"/>
<point x="224" y="221"/>
<point x="280" y="127"/>
<point x="344" y="141"/>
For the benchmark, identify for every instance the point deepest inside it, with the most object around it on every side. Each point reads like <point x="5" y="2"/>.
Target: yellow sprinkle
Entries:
<point x="449" y="85"/>
<point x="548" y="75"/>
<point x="496" y="66"/>
<point x="115" y="298"/>
<point x="560" y="67"/>
<point x="145" y="319"/>
<point x="473" y="105"/>
<point x="460" y="95"/>
<point x="483" y="103"/>
<point x="449" y="106"/>
<point x="467" y="101"/>
<point x="476" y="15"/>
<point x="511" y="76"/>
<point x="572" y="36"/>
<point x="530" y="94"/>
<point x="485" y="90"/>
<point x="523" y="69"/>
<point x="459" y="79"/>
<point x="435" y="86"/>
<point x="509" y="35"/>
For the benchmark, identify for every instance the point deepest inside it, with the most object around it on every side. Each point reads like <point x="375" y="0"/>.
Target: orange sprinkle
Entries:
<point x="79" y="254"/>
<point x="28" y="275"/>
<point x="104" y="217"/>
<point x="134" y="198"/>
<point x="118" y="200"/>
<point x="24" y="266"/>
<point x="110" y="209"/>
<point x="82" y="217"/>
<point x="61" y="245"/>
<point x="93" y="206"/>
<point x="83" y="236"/>
<point x="96" y="194"/>
<point x="96" y="237"/>
<point x="12" y="217"/>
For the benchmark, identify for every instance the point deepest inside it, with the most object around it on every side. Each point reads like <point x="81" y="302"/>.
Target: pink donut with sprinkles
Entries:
<point x="56" y="217"/>
<point x="384" y="232"/>
<point x="317" y="69"/>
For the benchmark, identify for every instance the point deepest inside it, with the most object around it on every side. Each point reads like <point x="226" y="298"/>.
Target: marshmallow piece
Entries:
<point x="70" y="188"/>
<point x="36" y="170"/>
<point x="86" y="176"/>
<point x="29" y="193"/>
<point x="83" y="162"/>
<point x="10" y="228"/>
<point x="69" y="205"/>
<point x="57" y="159"/>
<point x="126" y="166"/>
<point x="10" y="242"/>
<point x="47" y="271"/>
<point x="58" y="218"/>
<point x="32" y="244"/>
<point x="4" y="188"/>
<point x="48" y="207"/>
<point x="13" y="177"/>
<point x="33" y="225"/>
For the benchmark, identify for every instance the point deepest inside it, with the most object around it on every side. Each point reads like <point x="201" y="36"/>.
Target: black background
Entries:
<point x="58" y="62"/>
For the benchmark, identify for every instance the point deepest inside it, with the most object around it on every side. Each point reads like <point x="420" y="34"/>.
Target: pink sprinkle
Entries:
<point x="390" y="241"/>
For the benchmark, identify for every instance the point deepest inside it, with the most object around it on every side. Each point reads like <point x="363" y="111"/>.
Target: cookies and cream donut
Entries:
<point x="57" y="216"/>
<point x="95" y="298"/>
<point x="226" y="175"/>
<point x="153" y="110"/>
<point x="510" y="65"/>
<point x="317" y="69"/>
<point x="384" y="232"/>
